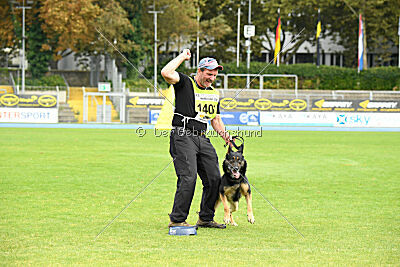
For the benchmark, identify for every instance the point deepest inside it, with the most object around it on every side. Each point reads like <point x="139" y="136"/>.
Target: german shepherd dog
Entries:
<point x="234" y="184"/>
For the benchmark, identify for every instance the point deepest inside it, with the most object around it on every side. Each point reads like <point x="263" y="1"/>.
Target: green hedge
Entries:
<point x="311" y="77"/>
<point x="329" y="77"/>
<point x="47" y="80"/>
<point x="51" y="80"/>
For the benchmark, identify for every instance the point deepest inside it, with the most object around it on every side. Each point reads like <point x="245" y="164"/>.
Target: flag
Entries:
<point x="317" y="36"/>
<point x="318" y="27"/>
<point x="360" y="44"/>
<point x="277" y="40"/>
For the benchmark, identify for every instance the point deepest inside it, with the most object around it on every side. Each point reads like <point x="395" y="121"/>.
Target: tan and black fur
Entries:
<point x="234" y="184"/>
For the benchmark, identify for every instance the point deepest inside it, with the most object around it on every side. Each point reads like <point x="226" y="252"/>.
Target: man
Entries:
<point x="196" y="103"/>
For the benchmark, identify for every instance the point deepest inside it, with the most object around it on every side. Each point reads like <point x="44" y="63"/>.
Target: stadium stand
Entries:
<point x="6" y="89"/>
<point x="75" y="101"/>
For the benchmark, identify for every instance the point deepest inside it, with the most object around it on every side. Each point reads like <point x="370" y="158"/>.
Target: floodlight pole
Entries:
<point x="238" y="39"/>
<point x="155" y="47"/>
<point x="249" y="49"/>
<point x="198" y="36"/>
<point x="23" y="7"/>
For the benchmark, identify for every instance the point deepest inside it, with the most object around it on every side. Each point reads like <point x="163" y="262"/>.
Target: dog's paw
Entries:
<point x="234" y="224"/>
<point x="227" y="220"/>
<point x="250" y="218"/>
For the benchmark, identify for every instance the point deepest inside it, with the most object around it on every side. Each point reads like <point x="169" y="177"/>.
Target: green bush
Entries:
<point x="47" y="80"/>
<point x="51" y="80"/>
<point x="141" y="84"/>
<point x="323" y="77"/>
<point x="310" y="77"/>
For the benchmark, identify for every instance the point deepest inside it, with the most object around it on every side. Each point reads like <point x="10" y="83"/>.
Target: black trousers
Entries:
<point x="194" y="155"/>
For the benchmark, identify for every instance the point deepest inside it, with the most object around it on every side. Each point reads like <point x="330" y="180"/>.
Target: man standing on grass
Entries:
<point x="196" y="103"/>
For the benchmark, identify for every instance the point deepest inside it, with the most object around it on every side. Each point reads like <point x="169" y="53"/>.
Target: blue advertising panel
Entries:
<point x="241" y="118"/>
<point x="229" y="118"/>
<point x="154" y="116"/>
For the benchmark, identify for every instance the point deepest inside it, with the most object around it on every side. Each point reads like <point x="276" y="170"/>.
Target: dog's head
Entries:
<point x="234" y="164"/>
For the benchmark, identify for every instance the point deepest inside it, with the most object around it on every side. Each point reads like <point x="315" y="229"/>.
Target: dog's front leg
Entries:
<point x="250" y="216"/>
<point x="227" y="219"/>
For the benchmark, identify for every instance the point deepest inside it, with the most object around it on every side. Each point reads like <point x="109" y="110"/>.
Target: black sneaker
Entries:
<point x="210" y="224"/>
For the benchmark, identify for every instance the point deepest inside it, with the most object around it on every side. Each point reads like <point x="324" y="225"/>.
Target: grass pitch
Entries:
<point x="60" y="187"/>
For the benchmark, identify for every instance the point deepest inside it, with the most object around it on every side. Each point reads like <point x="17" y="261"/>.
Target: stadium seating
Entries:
<point x="6" y="89"/>
<point x="75" y="101"/>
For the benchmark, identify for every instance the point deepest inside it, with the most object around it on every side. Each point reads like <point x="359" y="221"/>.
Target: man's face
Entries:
<point x="206" y="77"/>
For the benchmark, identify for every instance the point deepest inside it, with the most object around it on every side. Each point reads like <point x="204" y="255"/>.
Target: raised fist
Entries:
<point x="186" y="54"/>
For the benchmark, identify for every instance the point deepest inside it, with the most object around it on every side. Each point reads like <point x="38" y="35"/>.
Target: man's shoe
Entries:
<point x="173" y="224"/>
<point x="210" y="224"/>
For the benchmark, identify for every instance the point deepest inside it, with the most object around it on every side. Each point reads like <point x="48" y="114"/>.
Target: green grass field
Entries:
<point x="60" y="187"/>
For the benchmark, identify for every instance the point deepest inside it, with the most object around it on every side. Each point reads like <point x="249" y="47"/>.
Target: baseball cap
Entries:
<point x="209" y="63"/>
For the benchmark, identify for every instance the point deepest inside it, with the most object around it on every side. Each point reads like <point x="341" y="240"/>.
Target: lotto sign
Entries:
<point x="104" y="87"/>
<point x="249" y="31"/>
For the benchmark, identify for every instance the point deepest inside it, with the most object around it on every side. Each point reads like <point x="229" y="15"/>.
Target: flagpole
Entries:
<point x="279" y="34"/>
<point x="319" y="19"/>
<point x="360" y="44"/>
<point x="277" y="59"/>
<point x="399" y="43"/>
<point x="248" y="49"/>
<point x="238" y="39"/>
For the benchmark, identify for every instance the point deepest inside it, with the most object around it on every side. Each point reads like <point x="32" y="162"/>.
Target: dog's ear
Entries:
<point x="241" y="148"/>
<point x="229" y="151"/>
<point x="225" y="166"/>
<point x="244" y="168"/>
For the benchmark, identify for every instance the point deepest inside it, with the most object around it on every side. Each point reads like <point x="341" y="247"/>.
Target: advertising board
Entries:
<point x="333" y="119"/>
<point x="31" y="108"/>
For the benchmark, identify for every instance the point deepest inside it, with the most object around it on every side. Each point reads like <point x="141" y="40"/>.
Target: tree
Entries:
<point x="297" y="16"/>
<point x="7" y="32"/>
<point x="139" y="46"/>
<point x="216" y="29"/>
<point x="8" y="38"/>
<point x="68" y="25"/>
<point x="380" y="23"/>
<point x="71" y="27"/>
<point x="37" y="54"/>
<point x="176" y="25"/>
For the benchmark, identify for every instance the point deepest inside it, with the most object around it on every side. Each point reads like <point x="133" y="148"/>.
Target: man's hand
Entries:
<point x="227" y="138"/>
<point x="186" y="54"/>
<point x="219" y="127"/>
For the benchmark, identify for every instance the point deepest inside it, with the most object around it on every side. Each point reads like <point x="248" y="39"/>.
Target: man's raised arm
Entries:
<point x="169" y="71"/>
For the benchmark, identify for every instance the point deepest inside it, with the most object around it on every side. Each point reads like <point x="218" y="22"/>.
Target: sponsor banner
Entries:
<point x="28" y="101"/>
<point x="32" y="115"/>
<point x="154" y="114"/>
<point x="144" y="102"/>
<point x="367" y="120"/>
<point x="229" y="118"/>
<point x="263" y="104"/>
<point x="297" y="118"/>
<point x="241" y="118"/>
<point x="355" y="106"/>
<point x="335" y="119"/>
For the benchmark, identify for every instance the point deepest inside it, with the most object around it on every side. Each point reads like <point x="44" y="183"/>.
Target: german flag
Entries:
<point x="277" y="39"/>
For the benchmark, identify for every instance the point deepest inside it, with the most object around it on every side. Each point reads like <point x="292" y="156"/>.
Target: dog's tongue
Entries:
<point x="236" y="175"/>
